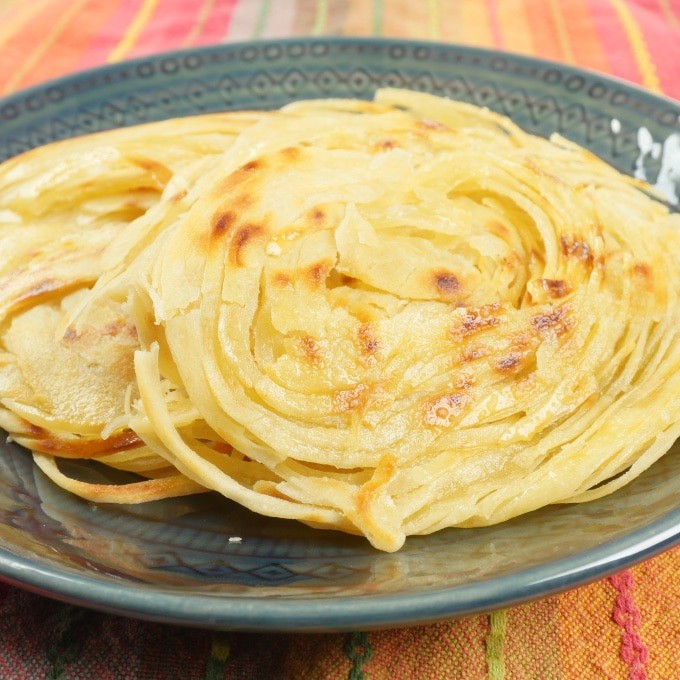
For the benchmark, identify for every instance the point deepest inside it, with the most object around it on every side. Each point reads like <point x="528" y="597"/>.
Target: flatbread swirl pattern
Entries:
<point x="385" y="318"/>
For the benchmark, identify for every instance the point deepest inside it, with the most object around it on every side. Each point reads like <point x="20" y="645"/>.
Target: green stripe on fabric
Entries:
<point x="262" y="19"/>
<point x="377" y="17"/>
<point x="220" y="649"/>
<point x="495" y="642"/>
<point x="358" y="650"/>
<point x="66" y="644"/>
<point x="321" y="17"/>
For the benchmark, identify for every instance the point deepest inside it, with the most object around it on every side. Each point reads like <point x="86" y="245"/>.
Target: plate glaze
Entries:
<point x="205" y="561"/>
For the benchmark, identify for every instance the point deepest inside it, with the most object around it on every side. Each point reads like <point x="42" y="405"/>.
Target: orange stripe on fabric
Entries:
<point x="133" y="32"/>
<point x="532" y="642"/>
<point x="314" y="656"/>
<point x="52" y="36"/>
<point x="583" y="652"/>
<point x="455" y="649"/>
<point x="637" y="44"/>
<point x="359" y="18"/>
<point x="63" y="55"/>
<point x="561" y="30"/>
<point x="406" y="20"/>
<point x="16" y="15"/>
<point x="586" y="45"/>
<point x="18" y="32"/>
<point x="515" y="29"/>
<point x="451" y="29"/>
<point x="544" y="31"/>
<point x="476" y="29"/>
<point x="658" y="599"/>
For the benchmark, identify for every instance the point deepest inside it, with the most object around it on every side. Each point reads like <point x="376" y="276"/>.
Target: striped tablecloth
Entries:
<point x="626" y="626"/>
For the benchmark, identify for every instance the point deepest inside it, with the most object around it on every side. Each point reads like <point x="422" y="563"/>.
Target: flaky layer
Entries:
<point x="385" y="318"/>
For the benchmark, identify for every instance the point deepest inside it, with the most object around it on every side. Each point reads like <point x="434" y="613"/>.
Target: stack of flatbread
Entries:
<point x="382" y="317"/>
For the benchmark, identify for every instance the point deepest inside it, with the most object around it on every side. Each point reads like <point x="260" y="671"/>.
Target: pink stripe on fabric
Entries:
<point x="633" y="650"/>
<point x="110" y="34"/>
<point x="663" y="43"/>
<point x="614" y="41"/>
<point x="496" y="32"/>
<point x="170" y="23"/>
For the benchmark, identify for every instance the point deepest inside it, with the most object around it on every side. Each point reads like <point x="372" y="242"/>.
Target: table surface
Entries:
<point x="626" y="626"/>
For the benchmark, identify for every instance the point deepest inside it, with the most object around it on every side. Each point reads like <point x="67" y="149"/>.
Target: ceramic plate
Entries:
<point x="204" y="561"/>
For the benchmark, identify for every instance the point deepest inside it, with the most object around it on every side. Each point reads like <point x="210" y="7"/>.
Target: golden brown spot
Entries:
<point x="429" y="124"/>
<point x="291" y="153"/>
<point x="70" y="335"/>
<point x="472" y="354"/>
<point x="642" y="269"/>
<point x="387" y="144"/>
<point x="119" y="327"/>
<point x="256" y="164"/>
<point x="555" y="320"/>
<point x="178" y="196"/>
<point x="40" y="288"/>
<point x="446" y="282"/>
<point x="158" y="171"/>
<point x="499" y="229"/>
<point x="353" y="399"/>
<point x="555" y="288"/>
<point x="368" y="343"/>
<point x="371" y="490"/>
<point x="443" y="410"/>
<point x="509" y="363"/>
<point x="576" y="249"/>
<point x="521" y="341"/>
<point x="317" y="273"/>
<point x="83" y="447"/>
<point x="318" y="217"/>
<point x="310" y="347"/>
<point x="474" y="321"/>
<point x="241" y="239"/>
<point x="282" y="280"/>
<point x="222" y="222"/>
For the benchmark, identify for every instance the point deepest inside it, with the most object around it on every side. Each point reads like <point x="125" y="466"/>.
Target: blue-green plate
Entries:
<point x="204" y="561"/>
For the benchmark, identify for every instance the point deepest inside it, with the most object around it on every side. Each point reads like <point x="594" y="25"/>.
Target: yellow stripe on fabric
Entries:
<point x="203" y="15"/>
<point x="35" y="56"/>
<point x="220" y="649"/>
<point x="561" y="29"/>
<point x="494" y="645"/>
<point x="514" y="26"/>
<point x="435" y="20"/>
<point x="637" y="43"/>
<point x="668" y="14"/>
<point x="321" y="18"/>
<point x="25" y="13"/>
<point x="134" y="30"/>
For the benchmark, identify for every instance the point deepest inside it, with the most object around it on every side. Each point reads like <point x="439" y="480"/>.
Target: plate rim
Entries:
<point x="319" y="613"/>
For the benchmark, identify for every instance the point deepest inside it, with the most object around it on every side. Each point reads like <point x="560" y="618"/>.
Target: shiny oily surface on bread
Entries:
<point x="382" y="317"/>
